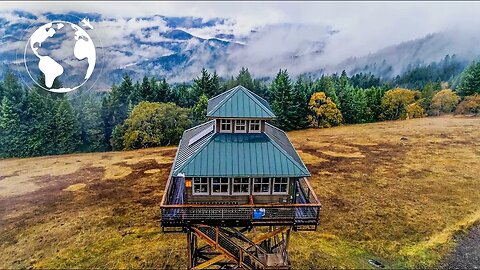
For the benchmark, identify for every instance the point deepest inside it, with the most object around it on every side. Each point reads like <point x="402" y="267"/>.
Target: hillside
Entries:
<point x="393" y="191"/>
<point x="177" y="48"/>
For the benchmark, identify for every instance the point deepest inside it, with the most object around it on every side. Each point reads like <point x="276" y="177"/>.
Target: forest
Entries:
<point x="153" y="112"/>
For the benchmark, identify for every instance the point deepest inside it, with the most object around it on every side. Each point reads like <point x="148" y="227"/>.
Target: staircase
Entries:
<point x="246" y="259"/>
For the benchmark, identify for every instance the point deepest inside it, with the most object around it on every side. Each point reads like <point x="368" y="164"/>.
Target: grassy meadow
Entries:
<point x="393" y="191"/>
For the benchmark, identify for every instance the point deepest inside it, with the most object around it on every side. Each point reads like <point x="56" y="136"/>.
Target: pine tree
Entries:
<point x="201" y="85"/>
<point x="91" y="124"/>
<point x="10" y="134"/>
<point x="116" y="105"/>
<point x="300" y="98"/>
<point x="470" y="81"/>
<point x="40" y="123"/>
<point x="136" y="94"/>
<point x="214" y="85"/>
<point x="244" y="78"/>
<point x="326" y="85"/>
<point x="199" y="111"/>
<point x="67" y="127"/>
<point x="282" y="101"/>
<point x="162" y="91"/>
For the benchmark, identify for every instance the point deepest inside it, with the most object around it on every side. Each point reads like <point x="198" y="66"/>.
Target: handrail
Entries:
<point x="313" y="192"/>
<point x="238" y="205"/>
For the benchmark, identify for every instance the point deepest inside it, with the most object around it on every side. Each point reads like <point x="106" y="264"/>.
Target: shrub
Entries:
<point x="324" y="112"/>
<point x="470" y="105"/>
<point x="444" y="101"/>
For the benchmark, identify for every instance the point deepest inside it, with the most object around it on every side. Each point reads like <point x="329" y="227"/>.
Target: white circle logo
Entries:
<point x="60" y="49"/>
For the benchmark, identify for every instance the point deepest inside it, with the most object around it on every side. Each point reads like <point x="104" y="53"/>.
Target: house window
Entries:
<point x="225" y="125"/>
<point x="241" y="186"/>
<point x="280" y="185"/>
<point x="255" y="126"/>
<point x="261" y="185"/>
<point x="240" y="126"/>
<point x="200" y="186"/>
<point x="220" y="185"/>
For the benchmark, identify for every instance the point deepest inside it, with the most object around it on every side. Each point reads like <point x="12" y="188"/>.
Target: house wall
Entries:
<point x="262" y="124"/>
<point x="241" y="199"/>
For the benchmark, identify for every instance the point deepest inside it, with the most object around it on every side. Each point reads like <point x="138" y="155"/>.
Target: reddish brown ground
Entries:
<point x="397" y="200"/>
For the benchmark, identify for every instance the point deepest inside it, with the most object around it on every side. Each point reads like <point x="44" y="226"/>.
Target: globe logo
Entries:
<point x="62" y="51"/>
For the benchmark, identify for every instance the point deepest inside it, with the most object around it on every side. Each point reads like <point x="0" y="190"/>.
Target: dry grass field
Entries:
<point x="396" y="192"/>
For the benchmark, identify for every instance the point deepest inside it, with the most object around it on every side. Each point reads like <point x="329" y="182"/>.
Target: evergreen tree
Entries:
<point x="146" y="89"/>
<point x="11" y="140"/>
<point x="229" y="84"/>
<point x="244" y="78"/>
<point x="470" y="81"/>
<point x="162" y="90"/>
<point x="41" y="128"/>
<point x="300" y="99"/>
<point x="11" y="88"/>
<point x="199" y="111"/>
<point x="427" y="94"/>
<point x="136" y="94"/>
<point x="282" y="101"/>
<point x="67" y="129"/>
<point x="89" y="115"/>
<point x="202" y="84"/>
<point x="326" y="85"/>
<point x="115" y="105"/>
<point x="374" y="101"/>
<point x="214" y="85"/>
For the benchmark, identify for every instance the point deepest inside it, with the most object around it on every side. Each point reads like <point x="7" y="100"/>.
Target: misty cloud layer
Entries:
<point x="301" y="37"/>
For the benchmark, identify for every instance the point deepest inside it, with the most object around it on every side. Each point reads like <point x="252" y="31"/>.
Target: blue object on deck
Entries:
<point x="258" y="213"/>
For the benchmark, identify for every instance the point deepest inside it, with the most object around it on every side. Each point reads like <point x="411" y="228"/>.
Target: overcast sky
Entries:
<point x="364" y="27"/>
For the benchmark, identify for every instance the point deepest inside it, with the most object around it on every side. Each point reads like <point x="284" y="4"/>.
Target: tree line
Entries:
<point x="152" y="112"/>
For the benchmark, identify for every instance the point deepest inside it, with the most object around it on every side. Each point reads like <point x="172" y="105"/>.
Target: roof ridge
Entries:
<point x="288" y="155"/>
<point x="214" y="109"/>
<point x="249" y="93"/>
<point x="256" y="95"/>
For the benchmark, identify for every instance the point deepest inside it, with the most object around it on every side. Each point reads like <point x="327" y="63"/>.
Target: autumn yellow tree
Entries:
<point x="444" y="101"/>
<point x="324" y="112"/>
<point x="470" y="105"/>
<point x="401" y="103"/>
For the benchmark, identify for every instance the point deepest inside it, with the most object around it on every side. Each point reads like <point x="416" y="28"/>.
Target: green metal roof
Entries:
<point x="233" y="155"/>
<point x="239" y="102"/>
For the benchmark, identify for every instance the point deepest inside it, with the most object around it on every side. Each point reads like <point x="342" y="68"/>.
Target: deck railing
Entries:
<point x="305" y="211"/>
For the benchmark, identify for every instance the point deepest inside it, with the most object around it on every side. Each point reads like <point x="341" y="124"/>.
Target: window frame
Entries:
<point x="226" y="121"/>
<point x="241" y="184"/>
<point x="274" y="184"/>
<point x="194" y="184"/>
<point x="220" y="185"/>
<point x="255" y="123"/>
<point x="261" y="184"/>
<point x="244" y="126"/>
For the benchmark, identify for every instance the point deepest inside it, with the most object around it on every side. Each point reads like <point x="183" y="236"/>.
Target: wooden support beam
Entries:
<point x="261" y="238"/>
<point x="210" y="262"/>
<point x="189" y="250"/>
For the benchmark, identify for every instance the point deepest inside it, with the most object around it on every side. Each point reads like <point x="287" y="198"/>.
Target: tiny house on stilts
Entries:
<point x="232" y="174"/>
